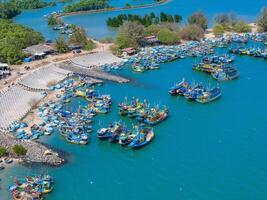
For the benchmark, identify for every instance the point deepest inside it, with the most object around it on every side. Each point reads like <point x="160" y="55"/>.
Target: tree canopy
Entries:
<point x="191" y="32"/>
<point x="85" y="5"/>
<point x="262" y="20"/>
<point x="146" y="20"/>
<point x="198" y="18"/>
<point x="8" y="10"/>
<point x="166" y="36"/>
<point x="130" y="35"/>
<point x="31" y="4"/>
<point x="13" y="39"/>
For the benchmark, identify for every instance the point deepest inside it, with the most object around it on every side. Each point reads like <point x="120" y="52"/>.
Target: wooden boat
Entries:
<point x="142" y="139"/>
<point x="180" y="88"/>
<point x="209" y="95"/>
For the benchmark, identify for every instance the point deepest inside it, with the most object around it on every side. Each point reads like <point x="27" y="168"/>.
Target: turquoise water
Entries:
<point x="214" y="151"/>
<point x="95" y="24"/>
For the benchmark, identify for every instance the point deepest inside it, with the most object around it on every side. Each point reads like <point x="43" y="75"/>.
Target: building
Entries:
<point x="129" y="51"/>
<point x="150" y="40"/>
<point x="39" y="51"/>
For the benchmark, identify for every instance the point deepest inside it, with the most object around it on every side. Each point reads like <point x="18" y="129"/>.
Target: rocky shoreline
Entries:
<point x="36" y="152"/>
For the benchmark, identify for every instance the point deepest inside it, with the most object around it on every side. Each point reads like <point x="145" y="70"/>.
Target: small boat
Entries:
<point x="138" y="68"/>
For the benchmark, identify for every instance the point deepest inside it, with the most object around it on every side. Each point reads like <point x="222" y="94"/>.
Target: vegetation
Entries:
<point x="227" y="20"/>
<point x="262" y="20"/>
<point x="79" y="37"/>
<point x="53" y="20"/>
<point x="85" y="5"/>
<point x="199" y="19"/>
<point x="192" y="32"/>
<point x="61" y="45"/>
<point x="8" y="10"/>
<point x="19" y="150"/>
<point x="241" y="27"/>
<point x="107" y="40"/>
<point x="31" y="4"/>
<point x="130" y="35"/>
<point x="166" y="36"/>
<point x="3" y="151"/>
<point x="218" y="29"/>
<point x="13" y="39"/>
<point x="145" y="20"/>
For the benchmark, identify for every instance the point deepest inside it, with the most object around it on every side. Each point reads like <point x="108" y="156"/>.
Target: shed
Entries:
<point x="39" y="50"/>
<point x="129" y="51"/>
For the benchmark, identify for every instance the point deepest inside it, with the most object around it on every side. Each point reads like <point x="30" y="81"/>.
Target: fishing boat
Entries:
<point x="155" y="116"/>
<point x="179" y="88"/>
<point x="209" y="95"/>
<point x="137" y="68"/>
<point x="194" y="92"/>
<point x="142" y="138"/>
<point x="226" y="73"/>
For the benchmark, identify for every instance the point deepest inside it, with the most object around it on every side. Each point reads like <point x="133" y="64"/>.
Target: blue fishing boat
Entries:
<point x="209" y="95"/>
<point x="180" y="88"/>
<point x="142" y="138"/>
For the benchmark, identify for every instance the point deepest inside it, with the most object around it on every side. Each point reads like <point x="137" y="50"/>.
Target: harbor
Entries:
<point x="160" y="121"/>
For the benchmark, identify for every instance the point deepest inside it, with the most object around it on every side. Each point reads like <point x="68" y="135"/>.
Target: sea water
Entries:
<point x="212" y="151"/>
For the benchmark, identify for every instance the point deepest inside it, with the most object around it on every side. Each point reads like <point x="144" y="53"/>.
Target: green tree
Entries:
<point x="152" y="30"/>
<point x="13" y="39"/>
<point x="84" y="5"/>
<point x="168" y="37"/>
<point x="178" y="18"/>
<point x="227" y="20"/>
<point x="3" y="151"/>
<point x="130" y="35"/>
<point x="19" y="150"/>
<point x="52" y="20"/>
<point x="61" y="45"/>
<point x="79" y="37"/>
<point x="241" y="27"/>
<point x="8" y="10"/>
<point x="31" y="4"/>
<point x="262" y="20"/>
<point x="192" y="32"/>
<point x="218" y="29"/>
<point x="198" y="18"/>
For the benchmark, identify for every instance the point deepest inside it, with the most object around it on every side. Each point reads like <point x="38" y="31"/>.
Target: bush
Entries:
<point x="152" y="30"/>
<point x="61" y="45"/>
<point x="262" y="20"/>
<point x="198" y="18"/>
<point x="3" y="151"/>
<point x="130" y="35"/>
<point x="107" y="40"/>
<point x="167" y="36"/>
<point x="89" y="46"/>
<point x="192" y="32"/>
<point x="227" y="20"/>
<point x="19" y="150"/>
<point x="241" y="27"/>
<point x="218" y="29"/>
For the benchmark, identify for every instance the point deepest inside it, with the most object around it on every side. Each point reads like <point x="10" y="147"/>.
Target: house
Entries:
<point x="150" y="40"/>
<point x="39" y="51"/>
<point x="129" y="51"/>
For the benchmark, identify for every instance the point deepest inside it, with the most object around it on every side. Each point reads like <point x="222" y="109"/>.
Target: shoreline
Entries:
<point x="162" y="2"/>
